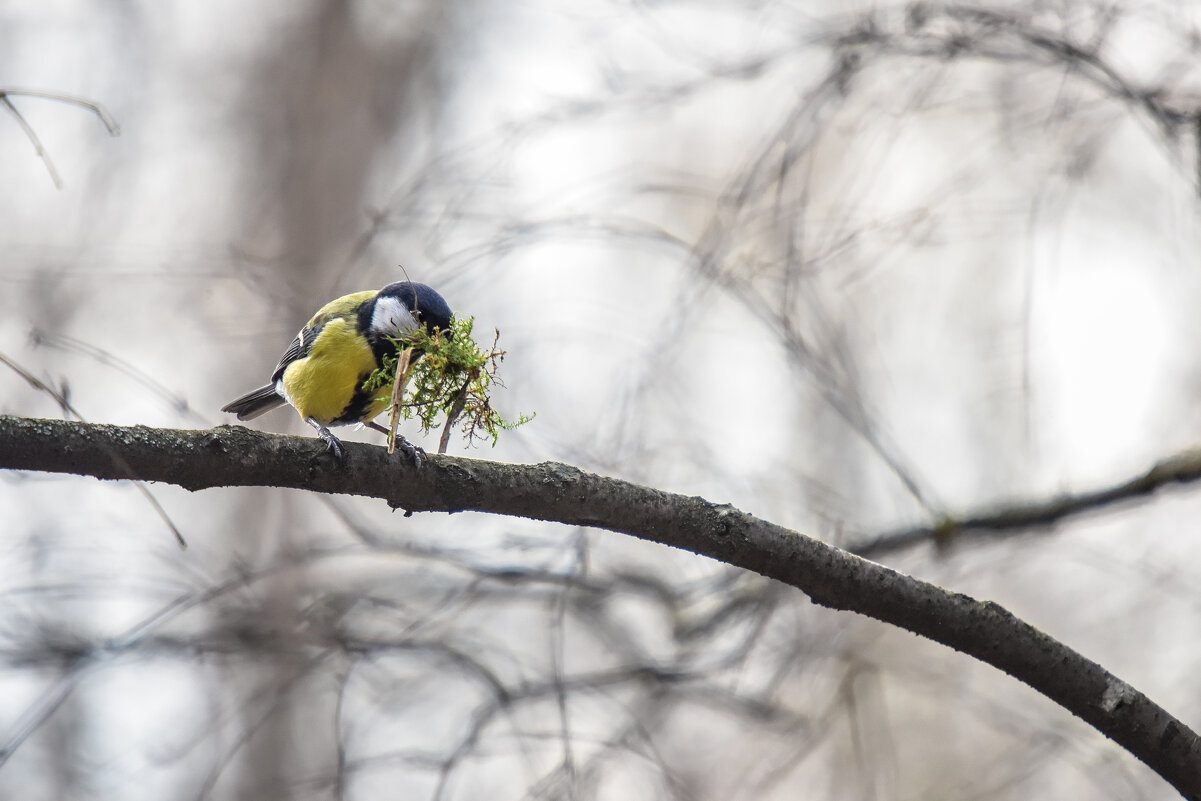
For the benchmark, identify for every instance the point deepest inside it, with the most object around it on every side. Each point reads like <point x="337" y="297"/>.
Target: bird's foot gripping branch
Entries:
<point x="443" y="374"/>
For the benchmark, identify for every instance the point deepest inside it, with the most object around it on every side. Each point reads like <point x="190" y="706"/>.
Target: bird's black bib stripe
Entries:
<point x="359" y="402"/>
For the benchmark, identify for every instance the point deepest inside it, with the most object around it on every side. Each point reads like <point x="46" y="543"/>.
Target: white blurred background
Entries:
<point x="851" y="267"/>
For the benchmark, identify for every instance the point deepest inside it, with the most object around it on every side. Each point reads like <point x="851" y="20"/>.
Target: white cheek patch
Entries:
<point x="392" y="317"/>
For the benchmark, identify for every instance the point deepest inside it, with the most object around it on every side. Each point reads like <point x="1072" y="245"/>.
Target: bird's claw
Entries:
<point x="333" y="443"/>
<point x="410" y="450"/>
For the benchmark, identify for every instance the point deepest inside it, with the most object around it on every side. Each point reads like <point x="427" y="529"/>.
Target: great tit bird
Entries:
<point x="322" y="372"/>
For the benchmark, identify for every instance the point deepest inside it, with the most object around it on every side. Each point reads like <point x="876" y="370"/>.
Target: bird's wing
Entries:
<point x="299" y="348"/>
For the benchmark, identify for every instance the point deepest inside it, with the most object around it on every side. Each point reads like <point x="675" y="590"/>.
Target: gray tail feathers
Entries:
<point x="252" y="404"/>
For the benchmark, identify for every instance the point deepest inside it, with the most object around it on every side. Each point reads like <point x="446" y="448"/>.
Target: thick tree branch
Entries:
<point x="235" y="456"/>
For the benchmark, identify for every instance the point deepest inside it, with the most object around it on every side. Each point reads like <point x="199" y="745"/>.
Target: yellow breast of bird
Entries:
<point x="322" y="384"/>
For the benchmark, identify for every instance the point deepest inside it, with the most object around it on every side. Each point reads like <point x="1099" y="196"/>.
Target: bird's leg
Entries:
<point x="409" y="449"/>
<point x="331" y="442"/>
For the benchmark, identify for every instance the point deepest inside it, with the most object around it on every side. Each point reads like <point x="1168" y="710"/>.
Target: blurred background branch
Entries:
<point x="6" y="95"/>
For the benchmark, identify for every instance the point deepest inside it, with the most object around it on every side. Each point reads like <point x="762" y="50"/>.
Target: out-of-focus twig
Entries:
<point x="61" y="97"/>
<point x="1020" y="517"/>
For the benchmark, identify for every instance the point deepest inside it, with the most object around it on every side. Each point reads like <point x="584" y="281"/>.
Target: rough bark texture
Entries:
<point x="236" y="456"/>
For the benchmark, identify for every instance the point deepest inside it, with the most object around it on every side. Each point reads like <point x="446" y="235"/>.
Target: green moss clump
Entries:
<point x="445" y="375"/>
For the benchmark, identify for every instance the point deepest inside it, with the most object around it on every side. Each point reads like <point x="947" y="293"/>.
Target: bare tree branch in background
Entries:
<point x="1018" y="518"/>
<point x="948" y="32"/>
<point x="5" y="100"/>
